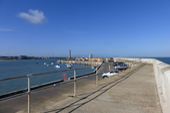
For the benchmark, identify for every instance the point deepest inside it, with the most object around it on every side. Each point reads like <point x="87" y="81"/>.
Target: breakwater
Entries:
<point x="162" y="76"/>
<point x="80" y="62"/>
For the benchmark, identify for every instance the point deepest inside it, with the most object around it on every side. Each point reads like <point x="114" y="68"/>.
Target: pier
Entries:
<point x="143" y="88"/>
<point x="80" y="62"/>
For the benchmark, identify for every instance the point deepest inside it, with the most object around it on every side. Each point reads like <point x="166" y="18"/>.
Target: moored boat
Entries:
<point x="52" y="63"/>
<point x="48" y="65"/>
<point x="68" y="65"/>
<point x="57" y="66"/>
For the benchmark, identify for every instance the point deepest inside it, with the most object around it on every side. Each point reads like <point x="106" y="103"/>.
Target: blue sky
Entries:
<point x="104" y="28"/>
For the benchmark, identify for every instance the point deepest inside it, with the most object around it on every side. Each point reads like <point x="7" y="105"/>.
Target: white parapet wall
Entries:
<point x="150" y="61"/>
<point x="162" y="76"/>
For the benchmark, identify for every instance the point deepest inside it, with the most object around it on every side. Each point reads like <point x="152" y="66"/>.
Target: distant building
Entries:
<point x="69" y="53"/>
<point x="69" y="58"/>
<point x="23" y="57"/>
<point x="109" y="60"/>
<point x="4" y="57"/>
<point x="90" y="55"/>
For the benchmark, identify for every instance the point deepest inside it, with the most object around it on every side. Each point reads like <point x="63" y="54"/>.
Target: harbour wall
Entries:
<point x="137" y="60"/>
<point x="80" y="62"/>
<point x="162" y="76"/>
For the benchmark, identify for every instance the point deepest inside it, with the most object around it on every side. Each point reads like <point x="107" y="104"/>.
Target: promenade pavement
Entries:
<point x="133" y="91"/>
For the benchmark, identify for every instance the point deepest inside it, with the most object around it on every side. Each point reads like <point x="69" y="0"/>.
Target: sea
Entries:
<point x="164" y="59"/>
<point x="15" y="68"/>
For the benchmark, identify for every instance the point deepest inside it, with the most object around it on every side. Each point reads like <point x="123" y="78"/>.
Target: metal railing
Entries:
<point x="28" y="90"/>
<point x="25" y="76"/>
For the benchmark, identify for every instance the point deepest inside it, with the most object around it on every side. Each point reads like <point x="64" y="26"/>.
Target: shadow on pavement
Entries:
<point x="114" y="83"/>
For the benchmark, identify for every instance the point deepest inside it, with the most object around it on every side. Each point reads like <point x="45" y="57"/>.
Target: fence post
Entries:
<point x="117" y="69"/>
<point x="123" y="67"/>
<point x="74" y="83"/>
<point x="29" y="94"/>
<point x="109" y="71"/>
<point x="131" y="65"/>
<point x="97" y="72"/>
<point x="96" y="79"/>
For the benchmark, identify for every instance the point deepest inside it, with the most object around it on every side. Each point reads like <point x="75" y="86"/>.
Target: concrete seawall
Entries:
<point x="162" y="76"/>
<point x="81" y="62"/>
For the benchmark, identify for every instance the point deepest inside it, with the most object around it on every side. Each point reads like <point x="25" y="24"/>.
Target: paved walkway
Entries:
<point x="130" y="92"/>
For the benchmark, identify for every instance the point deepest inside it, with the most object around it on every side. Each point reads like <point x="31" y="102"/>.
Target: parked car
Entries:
<point x="117" y="63"/>
<point x="121" y="66"/>
<point x="111" y="73"/>
<point x="116" y="71"/>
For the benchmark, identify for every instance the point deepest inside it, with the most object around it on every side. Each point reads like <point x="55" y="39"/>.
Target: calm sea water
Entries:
<point x="165" y="59"/>
<point x="23" y="67"/>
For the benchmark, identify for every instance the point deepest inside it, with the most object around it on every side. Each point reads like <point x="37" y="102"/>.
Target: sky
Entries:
<point x="104" y="28"/>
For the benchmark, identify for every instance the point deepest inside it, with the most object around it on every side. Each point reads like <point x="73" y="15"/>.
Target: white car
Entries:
<point x="111" y="73"/>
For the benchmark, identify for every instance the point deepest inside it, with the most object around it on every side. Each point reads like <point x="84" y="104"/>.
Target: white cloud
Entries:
<point x="34" y="16"/>
<point x="6" y="29"/>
